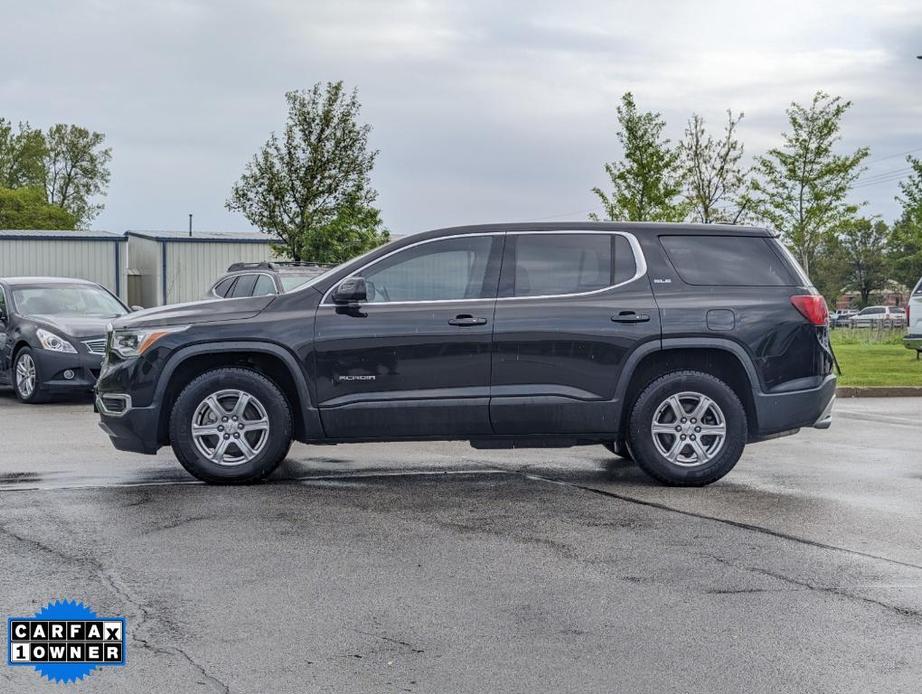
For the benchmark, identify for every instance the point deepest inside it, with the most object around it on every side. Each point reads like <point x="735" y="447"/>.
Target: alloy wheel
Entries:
<point x="230" y="427"/>
<point x="689" y="429"/>
<point x="25" y="376"/>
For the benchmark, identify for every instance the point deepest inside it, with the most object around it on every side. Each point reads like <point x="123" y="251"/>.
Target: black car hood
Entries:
<point x="73" y="326"/>
<point x="209" y="311"/>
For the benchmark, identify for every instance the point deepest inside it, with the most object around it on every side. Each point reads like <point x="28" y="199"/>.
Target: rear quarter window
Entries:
<point x="727" y="261"/>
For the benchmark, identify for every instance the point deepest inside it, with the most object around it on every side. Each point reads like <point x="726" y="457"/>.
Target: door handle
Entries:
<point x="631" y="317"/>
<point x="466" y="319"/>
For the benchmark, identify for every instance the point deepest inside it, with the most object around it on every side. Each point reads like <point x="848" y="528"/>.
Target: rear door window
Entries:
<point x="746" y="261"/>
<point x="244" y="287"/>
<point x="555" y="264"/>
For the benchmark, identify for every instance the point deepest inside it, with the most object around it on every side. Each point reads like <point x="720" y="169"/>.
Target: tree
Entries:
<point x="25" y="208"/>
<point x="864" y="247"/>
<point x="21" y="156"/>
<point x="76" y="170"/>
<point x="311" y="188"/>
<point x="646" y="183"/>
<point x="906" y="239"/>
<point x="830" y="271"/>
<point x="802" y="186"/>
<point x="714" y="179"/>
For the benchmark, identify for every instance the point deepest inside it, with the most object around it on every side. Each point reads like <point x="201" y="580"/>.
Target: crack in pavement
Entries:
<point x="903" y="611"/>
<point x="413" y="648"/>
<point x="906" y="612"/>
<point x="125" y="594"/>
<point x="725" y="521"/>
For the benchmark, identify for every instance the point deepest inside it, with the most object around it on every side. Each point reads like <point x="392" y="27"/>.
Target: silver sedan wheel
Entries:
<point x="25" y="376"/>
<point x="689" y="429"/>
<point x="230" y="427"/>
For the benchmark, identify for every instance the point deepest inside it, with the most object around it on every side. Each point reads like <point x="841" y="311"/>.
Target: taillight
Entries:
<point x="813" y="307"/>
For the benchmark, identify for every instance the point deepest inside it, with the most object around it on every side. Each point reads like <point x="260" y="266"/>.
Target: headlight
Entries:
<point x="128" y="343"/>
<point x="53" y="343"/>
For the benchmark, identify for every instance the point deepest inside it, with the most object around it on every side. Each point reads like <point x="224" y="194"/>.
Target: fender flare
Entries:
<point x="647" y="348"/>
<point x="310" y="416"/>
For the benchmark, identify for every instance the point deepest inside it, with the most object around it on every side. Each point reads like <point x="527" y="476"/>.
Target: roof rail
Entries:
<point x="235" y="267"/>
<point x="298" y="263"/>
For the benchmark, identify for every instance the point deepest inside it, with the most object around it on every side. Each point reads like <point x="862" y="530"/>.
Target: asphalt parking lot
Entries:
<point x="438" y="568"/>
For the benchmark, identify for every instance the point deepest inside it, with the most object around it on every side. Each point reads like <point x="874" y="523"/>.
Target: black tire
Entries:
<point x="36" y="396"/>
<point x="619" y="448"/>
<point x="275" y="444"/>
<point x="692" y="474"/>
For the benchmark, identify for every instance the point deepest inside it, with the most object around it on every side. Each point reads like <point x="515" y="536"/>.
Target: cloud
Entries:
<point x="482" y="110"/>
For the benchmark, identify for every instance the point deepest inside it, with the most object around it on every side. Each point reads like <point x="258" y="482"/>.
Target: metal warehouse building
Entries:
<point x="170" y="267"/>
<point x="92" y="255"/>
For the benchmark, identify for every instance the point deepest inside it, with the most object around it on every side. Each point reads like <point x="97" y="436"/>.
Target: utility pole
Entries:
<point x="190" y="224"/>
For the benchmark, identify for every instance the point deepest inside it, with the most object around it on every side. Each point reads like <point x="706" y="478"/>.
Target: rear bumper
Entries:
<point x="913" y="342"/>
<point x="782" y="412"/>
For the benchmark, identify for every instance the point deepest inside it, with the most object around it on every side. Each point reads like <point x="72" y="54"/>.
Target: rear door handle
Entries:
<point x="466" y="319"/>
<point x="631" y="317"/>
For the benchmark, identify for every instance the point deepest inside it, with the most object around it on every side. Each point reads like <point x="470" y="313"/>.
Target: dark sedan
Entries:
<point x="53" y="334"/>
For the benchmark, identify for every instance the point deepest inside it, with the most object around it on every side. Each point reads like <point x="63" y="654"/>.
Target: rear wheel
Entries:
<point x="230" y="426"/>
<point x="27" y="378"/>
<point x="687" y="428"/>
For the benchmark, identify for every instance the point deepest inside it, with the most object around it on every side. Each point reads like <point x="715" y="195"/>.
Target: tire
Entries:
<point x="30" y="394"/>
<point x="618" y="448"/>
<point x="213" y="400"/>
<point x="697" y="462"/>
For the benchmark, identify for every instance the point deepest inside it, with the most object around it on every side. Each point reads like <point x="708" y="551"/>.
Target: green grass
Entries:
<point x="869" y="359"/>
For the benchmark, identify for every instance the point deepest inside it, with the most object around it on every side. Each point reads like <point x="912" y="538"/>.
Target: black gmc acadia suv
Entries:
<point x="674" y="345"/>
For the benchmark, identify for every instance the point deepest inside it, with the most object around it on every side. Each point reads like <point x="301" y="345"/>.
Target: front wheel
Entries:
<point x="230" y="426"/>
<point x="27" y="378"/>
<point x="687" y="429"/>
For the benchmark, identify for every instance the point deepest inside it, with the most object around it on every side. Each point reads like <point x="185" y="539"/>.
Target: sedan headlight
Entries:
<point x="128" y="343"/>
<point x="53" y="343"/>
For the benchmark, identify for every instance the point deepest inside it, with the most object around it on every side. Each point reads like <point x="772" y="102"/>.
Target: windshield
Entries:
<point x="74" y="300"/>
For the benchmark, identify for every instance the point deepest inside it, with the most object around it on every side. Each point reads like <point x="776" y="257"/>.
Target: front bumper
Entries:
<point x="134" y="430"/>
<point x="913" y="342"/>
<point x="784" y="412"/>
<point x="53" y="365"/>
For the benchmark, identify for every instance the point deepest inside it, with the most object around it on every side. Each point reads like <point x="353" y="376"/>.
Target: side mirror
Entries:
<point x="136" y="308"/>
<point x="351" y="290"/>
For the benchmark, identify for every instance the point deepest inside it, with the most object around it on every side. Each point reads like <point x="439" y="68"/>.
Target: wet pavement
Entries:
<point x="433" y="567"/>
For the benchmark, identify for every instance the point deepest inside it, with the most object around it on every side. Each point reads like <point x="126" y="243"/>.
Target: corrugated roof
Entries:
<point x="213" y="236"/>
<point x="54" y="234"/>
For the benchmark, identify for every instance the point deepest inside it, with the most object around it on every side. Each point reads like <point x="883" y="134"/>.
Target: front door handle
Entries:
<point x="630" y="317"/>
<point x="467" y="319"/>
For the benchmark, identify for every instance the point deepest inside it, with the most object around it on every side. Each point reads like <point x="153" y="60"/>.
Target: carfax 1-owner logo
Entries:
<point x="65" y="641"/>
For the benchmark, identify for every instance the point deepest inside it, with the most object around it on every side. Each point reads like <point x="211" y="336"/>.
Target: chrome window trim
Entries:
<point x="238" y="274"/>
<point x="640" y="270"/>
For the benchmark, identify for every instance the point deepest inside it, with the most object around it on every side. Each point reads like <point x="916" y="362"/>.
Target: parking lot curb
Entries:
<point x="879" y="391"/>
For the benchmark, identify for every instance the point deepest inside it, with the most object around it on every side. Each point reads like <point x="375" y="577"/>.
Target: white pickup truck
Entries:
<point x="913" y="339"/>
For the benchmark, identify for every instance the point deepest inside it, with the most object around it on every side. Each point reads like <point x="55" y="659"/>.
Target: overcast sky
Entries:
<point x="482" y="110"/>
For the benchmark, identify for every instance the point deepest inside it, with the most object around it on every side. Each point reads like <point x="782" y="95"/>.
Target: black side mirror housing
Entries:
<point x="350" y="291"/>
